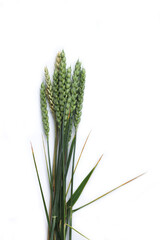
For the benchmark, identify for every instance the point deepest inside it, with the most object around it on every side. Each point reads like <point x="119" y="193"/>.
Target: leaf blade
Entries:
<point x="82" y="185"/>
<point x="70" y="155"/>
<point x="44" y="203"/>
<point x="76" y="231"/>
<point x="77" y="161"/>
<point x="96" y="199"/>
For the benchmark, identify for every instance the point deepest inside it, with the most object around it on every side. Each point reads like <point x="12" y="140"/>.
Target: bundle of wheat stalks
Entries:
<point x="65" y="98"/>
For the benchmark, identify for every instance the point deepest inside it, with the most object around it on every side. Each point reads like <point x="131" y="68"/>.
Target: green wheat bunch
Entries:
<point x="64" y="96"/>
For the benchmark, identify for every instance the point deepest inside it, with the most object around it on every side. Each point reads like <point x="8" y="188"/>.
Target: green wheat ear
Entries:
<point x="79" y="104"/>
<point x="58" y="59"/>
<point x="68" y="96"/>
<point x="68" y="82"/>
<point x="62" y="83"/>
<point x="73" y="94"/>
<point x="44" y="110"/>
<point x="56" y="90"/>
<point x="75" y="85"/>
<point x="49" y="89"/>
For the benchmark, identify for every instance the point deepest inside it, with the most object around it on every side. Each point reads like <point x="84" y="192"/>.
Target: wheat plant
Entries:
<point x="64" y="97"/>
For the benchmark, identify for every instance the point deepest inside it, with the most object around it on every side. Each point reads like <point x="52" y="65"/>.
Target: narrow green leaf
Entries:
<point x="107" y="193"/>
<point x="77" y="231"/>
<point x="81" y="152"/>
<point x="70" y="155"/>
<point x="46" y="163"/>
<point x="69" y="158"/>
<point x="44" y="203"/>
<point x="79" y="190"/>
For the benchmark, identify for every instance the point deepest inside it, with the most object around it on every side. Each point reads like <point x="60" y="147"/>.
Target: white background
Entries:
<point x="118" y="43"/>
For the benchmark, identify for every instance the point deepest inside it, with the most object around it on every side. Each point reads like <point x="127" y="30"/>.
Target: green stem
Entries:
<point x="58" y="177"/>
<point x="49" y="159"/>
<point x="64" y="187"/>
<point x="70" y="232"/>
<point x="52" y="229"/>
<point x="53" y="177"/>
<point x="55" y="157"/>
<point x="50" y="184"/>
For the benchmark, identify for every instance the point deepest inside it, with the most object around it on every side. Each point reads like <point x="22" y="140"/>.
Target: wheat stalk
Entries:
<point x="65" y="99"/>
